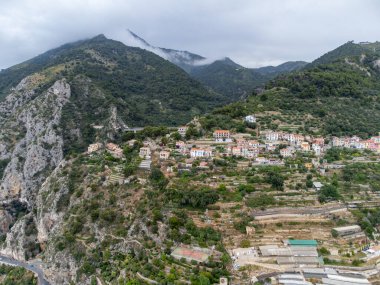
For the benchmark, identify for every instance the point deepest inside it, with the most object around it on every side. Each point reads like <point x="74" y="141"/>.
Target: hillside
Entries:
<point x="228" y="78"/>
<point x="126" y="75"/>
<point x="222" y="76"/>
<point x="341" y="97"/>
<point x="347" y="49"/>
<point x="285" y="67"/>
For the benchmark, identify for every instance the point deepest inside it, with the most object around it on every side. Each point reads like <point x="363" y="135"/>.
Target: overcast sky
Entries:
<point x="252" y="33"/>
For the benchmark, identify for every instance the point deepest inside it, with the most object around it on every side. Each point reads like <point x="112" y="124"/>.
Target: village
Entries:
<point x="295" y="239"/>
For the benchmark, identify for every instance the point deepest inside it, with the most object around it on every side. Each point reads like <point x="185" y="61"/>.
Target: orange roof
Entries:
<point x="221" y="131"/>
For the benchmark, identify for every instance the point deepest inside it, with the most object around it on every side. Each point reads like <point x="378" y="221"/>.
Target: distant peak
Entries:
<point x="100" y="37"/>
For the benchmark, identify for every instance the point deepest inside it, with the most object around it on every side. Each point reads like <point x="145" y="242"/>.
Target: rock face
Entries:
<point x="31" y="143"/>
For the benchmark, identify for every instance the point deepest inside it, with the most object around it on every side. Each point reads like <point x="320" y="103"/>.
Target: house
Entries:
<point x="180" y="144"/>
<point x="236" y="151"/>
<point x="305" y="146"/>
<point x="376" y="139"/>
<point x="114" y="149"/>
<point x="200" y="152"/>
<point x="272" y="136"/>
<point x="250" y="119"/>
<point x="317" y="185"/>
<point x="319" y="141"/>
<point x="317" y="148"/>
<point x="261" y="160"/>
<point x="299" y="139"/>
<point x="164" y="154"/>
<point x="286" y="152"/>
<point x="223" y="281"/>
<point x="253" y="143"/>
<point x="222" y="135"/>
<point x="308" y="165"/>
<point x="145" y="152"/>
<point x="203" y="165"/>
<point x="182" y="130"/>
<point x="94" y="147"/>
<point x="270" y="146"/>
<point x="250" y="152"/>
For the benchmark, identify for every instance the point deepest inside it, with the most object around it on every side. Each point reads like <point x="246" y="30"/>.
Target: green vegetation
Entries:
<point x="261" y="200"/>
<point x="16" y="276"/>
<point x="368" y="219"/>
<point x="143" y="88"/>
<point x="3" y="165"/>
<point x="328" y="193"/>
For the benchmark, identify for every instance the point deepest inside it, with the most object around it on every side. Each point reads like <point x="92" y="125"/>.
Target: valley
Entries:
<point x="119" y="167"/>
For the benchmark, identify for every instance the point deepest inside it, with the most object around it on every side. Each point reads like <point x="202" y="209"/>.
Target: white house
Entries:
<point x="164" y="154"/>
<point x="145" y="152"/>
<point x="317" y="185"/>
<point x="272" y="136"/>
<point x="182" y="130"/>
<point x="286" y="152"/>
<point x="222" y="136"/>
<point x="250" y="119"/>
<point x="200" y="152"/>
<point x="317" y="149"/>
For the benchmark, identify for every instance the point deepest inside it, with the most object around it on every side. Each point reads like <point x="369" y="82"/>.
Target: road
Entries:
<point x="28" y="266"/>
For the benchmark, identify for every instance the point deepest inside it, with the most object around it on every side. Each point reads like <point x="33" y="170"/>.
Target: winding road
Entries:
<point x="28" y="266"/>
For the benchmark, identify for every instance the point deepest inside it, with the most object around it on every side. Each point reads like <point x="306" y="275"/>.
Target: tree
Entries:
<point x="328" y="192"/>
<point x="158" y="178"/>
<point x="276" y="180"/>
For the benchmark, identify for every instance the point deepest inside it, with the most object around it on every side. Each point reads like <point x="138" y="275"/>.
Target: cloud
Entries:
<point x="251" y="32"/>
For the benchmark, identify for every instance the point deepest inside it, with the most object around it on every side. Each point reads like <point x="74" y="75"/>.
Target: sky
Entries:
<point x="253" y="33"/>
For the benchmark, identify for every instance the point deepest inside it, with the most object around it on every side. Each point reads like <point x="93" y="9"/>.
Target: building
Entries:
<point x="317" y="185"/>
<point x="348" y="230"/>
<point x="145" y="164"/>
<point x="305" y="146"/>
<point x="250" y="119"/>
<point x="222" y="135"/>
<point x="115" y="150"/>
<point x="94" y="147"/>
<point x="286" y="152"/>
<point x="317" y="148"/>
<point x="319" y="141"/>
<point x="272" y="136"/>
<point x="145" y="152"/>
<point x="182" y="130"/>
<point x="200" y="152"/>
<point x="302" y="242"/>
<point x="292" y="279"/>
<point x="344" y="280"/>
<point x="164" y="154"/>
<point x="223" y="281"/>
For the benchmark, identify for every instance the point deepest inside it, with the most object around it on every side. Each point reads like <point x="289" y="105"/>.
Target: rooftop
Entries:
<point x="303" y="242"/>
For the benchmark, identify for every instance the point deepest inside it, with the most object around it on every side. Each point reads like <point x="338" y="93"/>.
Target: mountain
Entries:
<point x="338" y="94"/>
<point x="110" y="81"/>
<point x="53" y="106"/>
<point x="223" y="76"/>
<point x="285" y="67"/>
<point x="348" y="49"/>
<point x="228" y="78"/>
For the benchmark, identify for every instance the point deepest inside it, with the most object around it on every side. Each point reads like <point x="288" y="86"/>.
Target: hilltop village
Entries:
<point x="290" y="208"/>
